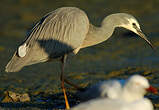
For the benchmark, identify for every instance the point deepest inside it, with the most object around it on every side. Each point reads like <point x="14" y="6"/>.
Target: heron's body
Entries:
<point x="59" y="32"/>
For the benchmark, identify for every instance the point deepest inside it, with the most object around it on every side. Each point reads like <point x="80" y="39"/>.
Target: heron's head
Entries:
<point x="139" y="85"/>
<point x="129" y="22"/>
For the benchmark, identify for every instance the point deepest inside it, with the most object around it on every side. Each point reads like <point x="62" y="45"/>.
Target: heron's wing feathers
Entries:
<point x="56" y="34"/>
<point x="59" y="32"/>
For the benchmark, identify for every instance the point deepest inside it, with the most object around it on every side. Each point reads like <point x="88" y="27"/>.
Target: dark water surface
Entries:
<point x="120" y="56"/>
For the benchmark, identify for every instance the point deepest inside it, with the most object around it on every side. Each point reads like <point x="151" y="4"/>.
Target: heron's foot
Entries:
<point x="65" y="96"/>
<point x="66" y="99"/>
<point x="75" y="86"/>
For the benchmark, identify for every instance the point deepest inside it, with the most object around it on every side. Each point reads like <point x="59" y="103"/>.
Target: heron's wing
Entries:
<point x="58" y="33"/>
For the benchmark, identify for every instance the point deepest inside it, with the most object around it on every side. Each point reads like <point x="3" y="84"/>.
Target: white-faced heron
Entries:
<point x="66" y="30"/>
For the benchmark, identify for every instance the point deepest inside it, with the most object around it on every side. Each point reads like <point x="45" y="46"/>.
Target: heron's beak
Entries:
<point x="142" y="35"/>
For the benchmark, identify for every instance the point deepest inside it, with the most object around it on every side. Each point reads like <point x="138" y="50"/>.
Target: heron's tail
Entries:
<point x="15" y="64"/>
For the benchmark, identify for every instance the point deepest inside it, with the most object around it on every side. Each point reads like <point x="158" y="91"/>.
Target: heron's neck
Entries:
<point x="97" y="35"/>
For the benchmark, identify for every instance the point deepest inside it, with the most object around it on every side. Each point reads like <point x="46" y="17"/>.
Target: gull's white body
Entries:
<point x="115" y="104"/>
<point x="143" y="104"/>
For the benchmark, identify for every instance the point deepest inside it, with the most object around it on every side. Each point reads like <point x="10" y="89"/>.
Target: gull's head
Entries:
<point x="139" y="85"/>
<point x="129" y="22"/>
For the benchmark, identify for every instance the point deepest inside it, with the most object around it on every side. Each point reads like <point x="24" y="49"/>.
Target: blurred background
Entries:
<point x="121" y="55"/>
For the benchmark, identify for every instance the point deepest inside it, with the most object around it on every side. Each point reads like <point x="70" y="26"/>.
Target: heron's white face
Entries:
<point x="132" y="25"/>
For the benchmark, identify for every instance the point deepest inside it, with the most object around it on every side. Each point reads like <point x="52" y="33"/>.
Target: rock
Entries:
<point x="15" y="97"/>
<point x="24" y="98"/>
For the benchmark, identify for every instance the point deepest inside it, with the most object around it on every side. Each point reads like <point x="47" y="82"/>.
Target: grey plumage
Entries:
<point x="59" y="32"/>
<point x="66" y="30"/>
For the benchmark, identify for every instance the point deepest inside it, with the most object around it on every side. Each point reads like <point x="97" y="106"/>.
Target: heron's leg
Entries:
<point x="62" y="81"/>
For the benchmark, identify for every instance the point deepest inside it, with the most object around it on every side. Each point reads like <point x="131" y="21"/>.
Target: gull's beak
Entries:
<point x="142" y="35"/>
<point x="152" y="90"/>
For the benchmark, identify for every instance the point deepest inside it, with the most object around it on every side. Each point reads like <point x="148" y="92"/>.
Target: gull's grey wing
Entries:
<point x="58" y="33"/>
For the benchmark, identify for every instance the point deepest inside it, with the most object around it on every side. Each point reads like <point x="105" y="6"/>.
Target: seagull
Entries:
<point x="129" y="96"/>
<point x="114" y="88"/>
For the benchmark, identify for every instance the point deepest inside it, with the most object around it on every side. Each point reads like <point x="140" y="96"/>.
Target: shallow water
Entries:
<point x="119" y="57"/>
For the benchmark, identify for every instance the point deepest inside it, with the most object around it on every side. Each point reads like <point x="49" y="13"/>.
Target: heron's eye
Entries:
<point x="133" y="24"/>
